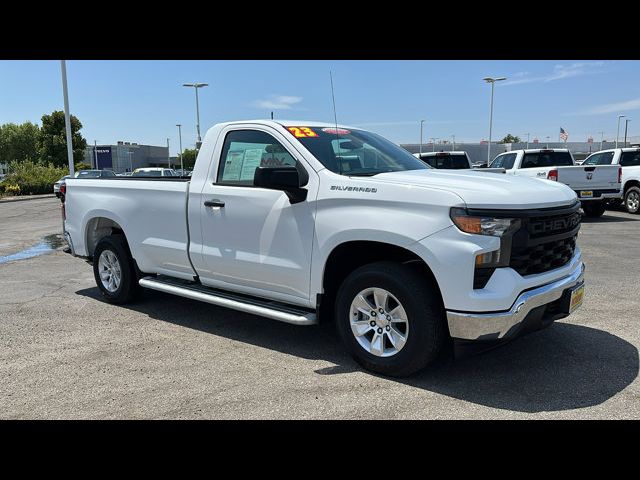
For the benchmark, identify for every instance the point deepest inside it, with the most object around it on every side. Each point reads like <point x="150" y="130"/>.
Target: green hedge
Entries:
<point x="33" y="178"/>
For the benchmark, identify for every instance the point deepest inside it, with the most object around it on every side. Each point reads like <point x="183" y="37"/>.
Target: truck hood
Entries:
<point x="487" y="190"/>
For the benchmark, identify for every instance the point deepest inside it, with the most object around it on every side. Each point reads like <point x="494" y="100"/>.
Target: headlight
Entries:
<point x="481" y="225"/>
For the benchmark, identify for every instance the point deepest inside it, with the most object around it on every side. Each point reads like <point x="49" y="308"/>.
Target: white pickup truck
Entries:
<point x="302" y="221"/>
<point x="594" y="185"/>
<point x="629" y="160"/>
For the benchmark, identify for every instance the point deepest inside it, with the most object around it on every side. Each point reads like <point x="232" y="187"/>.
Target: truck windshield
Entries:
<point x="355" y="152"/>
<point x="546" y="159"/>
<point x="455" y="161"/>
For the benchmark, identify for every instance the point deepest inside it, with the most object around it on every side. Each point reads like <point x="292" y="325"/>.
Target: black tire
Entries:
<point x="129" y="287"/>
<point x="422" y="304"/>
<point x="632" y="192"/>
<point x="594" y="209"/>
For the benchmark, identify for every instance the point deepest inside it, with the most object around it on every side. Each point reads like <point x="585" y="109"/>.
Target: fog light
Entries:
<point x="488" y="259"/>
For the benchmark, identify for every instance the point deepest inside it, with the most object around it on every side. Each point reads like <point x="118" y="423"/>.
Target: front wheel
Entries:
<point x="390" y="319"/>
<point x="594" y="208"/>
<point x="632" y="200"/>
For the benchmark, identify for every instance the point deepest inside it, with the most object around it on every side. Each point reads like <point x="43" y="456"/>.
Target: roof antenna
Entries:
<point x="271" y="115"/>
<point x="335" y="118"/>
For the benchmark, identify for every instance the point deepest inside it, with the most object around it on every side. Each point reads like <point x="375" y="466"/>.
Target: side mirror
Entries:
<point x="286" y="178"/>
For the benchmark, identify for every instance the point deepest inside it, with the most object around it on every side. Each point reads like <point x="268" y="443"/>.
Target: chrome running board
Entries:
<point x="242" y="303"/>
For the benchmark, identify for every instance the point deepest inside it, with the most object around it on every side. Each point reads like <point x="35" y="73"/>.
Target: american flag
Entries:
<point x="563" y="135"/>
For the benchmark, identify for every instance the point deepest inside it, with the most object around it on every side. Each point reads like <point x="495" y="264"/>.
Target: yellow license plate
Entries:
<point x="586" y="194"/>
<point x="577" y="296"/>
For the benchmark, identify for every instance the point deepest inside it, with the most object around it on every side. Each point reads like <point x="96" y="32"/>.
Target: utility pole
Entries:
<point x="95" y="153"/>
<point x="168" y="154"/>
<point x="179" y="125"/>
<point x="601" y="138"/>
<point x="618" y="130"/>
<point x="626" y="124"/>
<point x="196" y="86"/>
<point x="527" y="141"/>
<point x="453" y="144"/>
<point x="421" y="122"/>
<point x="492" y="81"/>
<point x="67" y="117"/>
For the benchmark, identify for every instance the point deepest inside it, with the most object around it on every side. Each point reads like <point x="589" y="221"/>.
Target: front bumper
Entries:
<point x="499" y="325"/>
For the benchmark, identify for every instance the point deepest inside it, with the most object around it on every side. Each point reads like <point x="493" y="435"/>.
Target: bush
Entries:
<point x="82" y="166"/>
<point x="11" y="189"/>
<point x="33" y="178"/>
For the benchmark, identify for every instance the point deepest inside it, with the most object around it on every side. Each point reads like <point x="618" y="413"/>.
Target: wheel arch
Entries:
<point x="350" y="255"/>
<point x="631" y="183"/>
<point x="97" y="228"/>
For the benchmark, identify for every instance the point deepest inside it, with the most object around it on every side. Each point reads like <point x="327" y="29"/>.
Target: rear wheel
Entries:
<point x="114" y="270"/>
<point x="632" y="200"/>
<point x="390" y="319"/>
<point x="594" y="208"/>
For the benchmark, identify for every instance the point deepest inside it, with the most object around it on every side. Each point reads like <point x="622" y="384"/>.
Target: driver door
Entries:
<point x="255" y="240"/>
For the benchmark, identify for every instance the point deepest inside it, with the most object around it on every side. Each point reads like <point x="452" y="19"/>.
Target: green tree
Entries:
<point x="52" y="143"/>
<point x="189" y="157"/>
<point x="18" y="142"/>
<point x="510" y="139"/>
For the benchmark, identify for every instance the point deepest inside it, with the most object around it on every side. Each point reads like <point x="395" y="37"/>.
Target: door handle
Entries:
<point x="214" y="203"/>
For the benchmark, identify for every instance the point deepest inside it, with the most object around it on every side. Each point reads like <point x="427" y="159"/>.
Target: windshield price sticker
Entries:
<point x="302" y="132"/>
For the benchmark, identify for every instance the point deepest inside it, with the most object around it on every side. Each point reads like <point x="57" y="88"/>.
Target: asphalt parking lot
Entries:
<point x="64" y="353"/>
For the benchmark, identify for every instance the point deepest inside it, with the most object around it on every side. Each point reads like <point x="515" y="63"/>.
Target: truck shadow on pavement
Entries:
<point x="563" y="367"/>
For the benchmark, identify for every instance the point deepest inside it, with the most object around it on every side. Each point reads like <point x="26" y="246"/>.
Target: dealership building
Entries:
<point x="126" y="156"/>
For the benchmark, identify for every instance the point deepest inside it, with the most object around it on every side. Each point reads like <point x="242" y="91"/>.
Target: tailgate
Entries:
<point x="590" y="177"/>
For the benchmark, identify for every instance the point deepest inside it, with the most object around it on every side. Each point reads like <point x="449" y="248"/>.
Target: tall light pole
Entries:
<point x="168" y="154"/>
<point x="626" y="124"/>
<point x="492" y="81"/>
<point x="67" y="116"/>
<point x="421" y="122"/>
<point x="179" y="125"/>
<point x="130" y="162"/>
<point x="196" y="86"/>
<point x="453" y="144"/>
<point x="618" y="130"/>
<point x="433" y="144"/>
<point x="95" y="153"/>
<point x="547" y="142"/>
<point x="601" y="139"/>
<point x="527" y="140"/>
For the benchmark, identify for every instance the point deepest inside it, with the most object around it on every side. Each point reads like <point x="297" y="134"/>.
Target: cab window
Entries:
<point x="244" y="151"/>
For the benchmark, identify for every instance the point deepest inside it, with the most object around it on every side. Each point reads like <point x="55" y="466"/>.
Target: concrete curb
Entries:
<point x="26" y="197"/>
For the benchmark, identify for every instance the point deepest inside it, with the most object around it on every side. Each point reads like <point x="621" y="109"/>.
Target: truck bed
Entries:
<point x="152" y="210"/>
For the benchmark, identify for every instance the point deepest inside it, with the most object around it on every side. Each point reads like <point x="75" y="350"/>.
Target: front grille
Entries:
<point x="543" y="239"/>
<point x="543" y="257"/>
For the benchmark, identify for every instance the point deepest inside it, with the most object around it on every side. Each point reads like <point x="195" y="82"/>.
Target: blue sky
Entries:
<point x="141" y="101"/>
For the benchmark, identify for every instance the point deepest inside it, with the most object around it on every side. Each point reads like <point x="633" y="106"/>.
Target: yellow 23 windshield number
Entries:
<point x="302" y="132"/>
